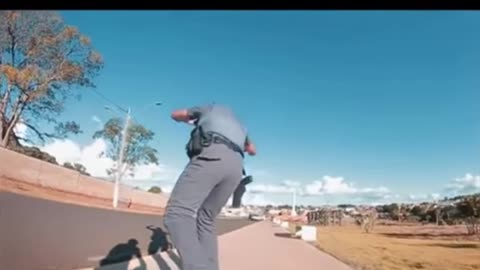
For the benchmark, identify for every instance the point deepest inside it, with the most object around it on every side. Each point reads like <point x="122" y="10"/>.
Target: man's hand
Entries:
<point x="250" y="148"/>
<point x="181" y="115"/>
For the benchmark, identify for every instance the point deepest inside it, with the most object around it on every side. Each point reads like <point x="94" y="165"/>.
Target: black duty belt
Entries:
<point x="219" y="139"/>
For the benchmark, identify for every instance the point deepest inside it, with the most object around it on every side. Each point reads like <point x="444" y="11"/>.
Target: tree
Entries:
<point x="77" y="167"/>
<point x="137" y="150"/>
<point x="81" y="169"/>
<point x="42" y="60"/>
<point x="367" y="220"/>
<point x="35" y="152"/>
<point x="469" y="210"/>
<point x="453" y="215"/>
<point x="393" y="210"/>
<point x="155" y="189"/>
<point x="68" y="165"/>
<point x="417" y="211"/>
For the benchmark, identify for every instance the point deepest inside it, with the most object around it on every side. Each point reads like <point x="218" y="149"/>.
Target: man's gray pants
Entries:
<point x="197" y="198"/>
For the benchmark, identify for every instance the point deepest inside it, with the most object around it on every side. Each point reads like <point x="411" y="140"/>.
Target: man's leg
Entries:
<point x="190" y="191"/>
<point x="209" y="211"/>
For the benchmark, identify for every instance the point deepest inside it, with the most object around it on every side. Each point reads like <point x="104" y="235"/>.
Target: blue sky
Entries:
<point x="382" y="99"/>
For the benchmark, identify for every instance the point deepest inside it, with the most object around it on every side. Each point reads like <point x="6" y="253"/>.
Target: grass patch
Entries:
<point x="379" y="251"/>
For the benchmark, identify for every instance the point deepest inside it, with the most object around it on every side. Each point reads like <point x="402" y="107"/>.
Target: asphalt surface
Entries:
<point x="37" y="234"/>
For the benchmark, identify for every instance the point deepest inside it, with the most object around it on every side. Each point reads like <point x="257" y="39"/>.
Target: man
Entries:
<point x="205" y="185"/>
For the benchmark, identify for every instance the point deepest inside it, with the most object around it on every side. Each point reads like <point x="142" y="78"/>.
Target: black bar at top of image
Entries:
<point x="238" y="5"/>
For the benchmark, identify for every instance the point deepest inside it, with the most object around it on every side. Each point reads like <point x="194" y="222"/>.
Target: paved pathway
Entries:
<point x="58" y="236"/>
<point x="255" y="247"/>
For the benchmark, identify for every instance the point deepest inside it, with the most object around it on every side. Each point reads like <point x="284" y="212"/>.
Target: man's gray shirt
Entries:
<point x="220" y="119"/>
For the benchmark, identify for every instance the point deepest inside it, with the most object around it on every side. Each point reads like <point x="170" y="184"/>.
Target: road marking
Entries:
<point x="150" y="262"/>
<point x="170" y="262"/>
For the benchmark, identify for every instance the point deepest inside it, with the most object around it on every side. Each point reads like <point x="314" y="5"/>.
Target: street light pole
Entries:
<point x="294" y="203"/>
<point x="120" y="160"/>
<point x="123" y="146"/>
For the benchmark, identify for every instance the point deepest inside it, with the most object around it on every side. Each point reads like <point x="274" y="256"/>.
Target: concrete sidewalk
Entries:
<point x="257" y="247"/>
<point x="260" y="246"/>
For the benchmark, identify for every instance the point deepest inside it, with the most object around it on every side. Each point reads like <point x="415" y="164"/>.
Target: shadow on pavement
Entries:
<point x="286" y="235"/>
<point x="123" y="252"/>
<point x="119" y="256"/>
<point x="158" y="240"/>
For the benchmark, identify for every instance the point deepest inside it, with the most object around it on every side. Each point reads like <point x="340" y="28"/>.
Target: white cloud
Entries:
<point x="263" y="188"/>
<point x="329" y="185"/>
<point x="336" y="190"/>
<point x="423" y="197"/>
<point x="291" y="183"/>
<point x="20" y="129"/>
<point x="257" y="199"/>
<point x="63" y="150"/>
<point x="167" y="188"/>
<point x="89" y="156"/>
<point x="253" y="199"/>
<point x="467" y="184"/>
<point x="338" y="186"/>
<point x="328" y="188"/>
<point x="286" y="186"/>
<point x="160" y="172"/>
<point x="92" y="157"/>
<point x="435" y="196"/>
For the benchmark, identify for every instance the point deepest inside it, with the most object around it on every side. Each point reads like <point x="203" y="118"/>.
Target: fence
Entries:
<point x="19" y="167"/>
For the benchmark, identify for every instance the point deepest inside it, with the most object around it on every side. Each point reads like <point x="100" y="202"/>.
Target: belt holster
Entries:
<point x="198" y="141"/>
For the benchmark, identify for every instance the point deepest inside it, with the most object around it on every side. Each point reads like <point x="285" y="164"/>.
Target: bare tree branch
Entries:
<point x="40" y="135"/>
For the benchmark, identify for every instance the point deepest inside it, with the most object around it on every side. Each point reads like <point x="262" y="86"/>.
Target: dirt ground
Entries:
<point x="402" y="247"/>
<point x="29" y="189"/>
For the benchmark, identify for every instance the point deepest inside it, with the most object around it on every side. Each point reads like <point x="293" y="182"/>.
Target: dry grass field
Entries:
<point x="402" y="247"/>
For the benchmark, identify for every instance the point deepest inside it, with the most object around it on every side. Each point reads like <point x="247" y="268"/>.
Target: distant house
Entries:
<point x="350" y="210"/>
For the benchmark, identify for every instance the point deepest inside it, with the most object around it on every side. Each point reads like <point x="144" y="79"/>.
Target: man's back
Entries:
<point x="221" y="119"/>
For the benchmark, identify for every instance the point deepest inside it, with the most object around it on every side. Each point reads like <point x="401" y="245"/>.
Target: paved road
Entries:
<point x="38" y="234"/>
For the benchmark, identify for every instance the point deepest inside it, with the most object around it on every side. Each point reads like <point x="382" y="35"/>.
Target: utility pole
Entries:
<point x="294" y="204"/>
<point x="120" y="160"/>
<point x="123" y="147"/>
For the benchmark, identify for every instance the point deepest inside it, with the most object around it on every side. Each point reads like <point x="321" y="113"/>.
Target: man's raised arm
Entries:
<point x="186" y="115"/>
